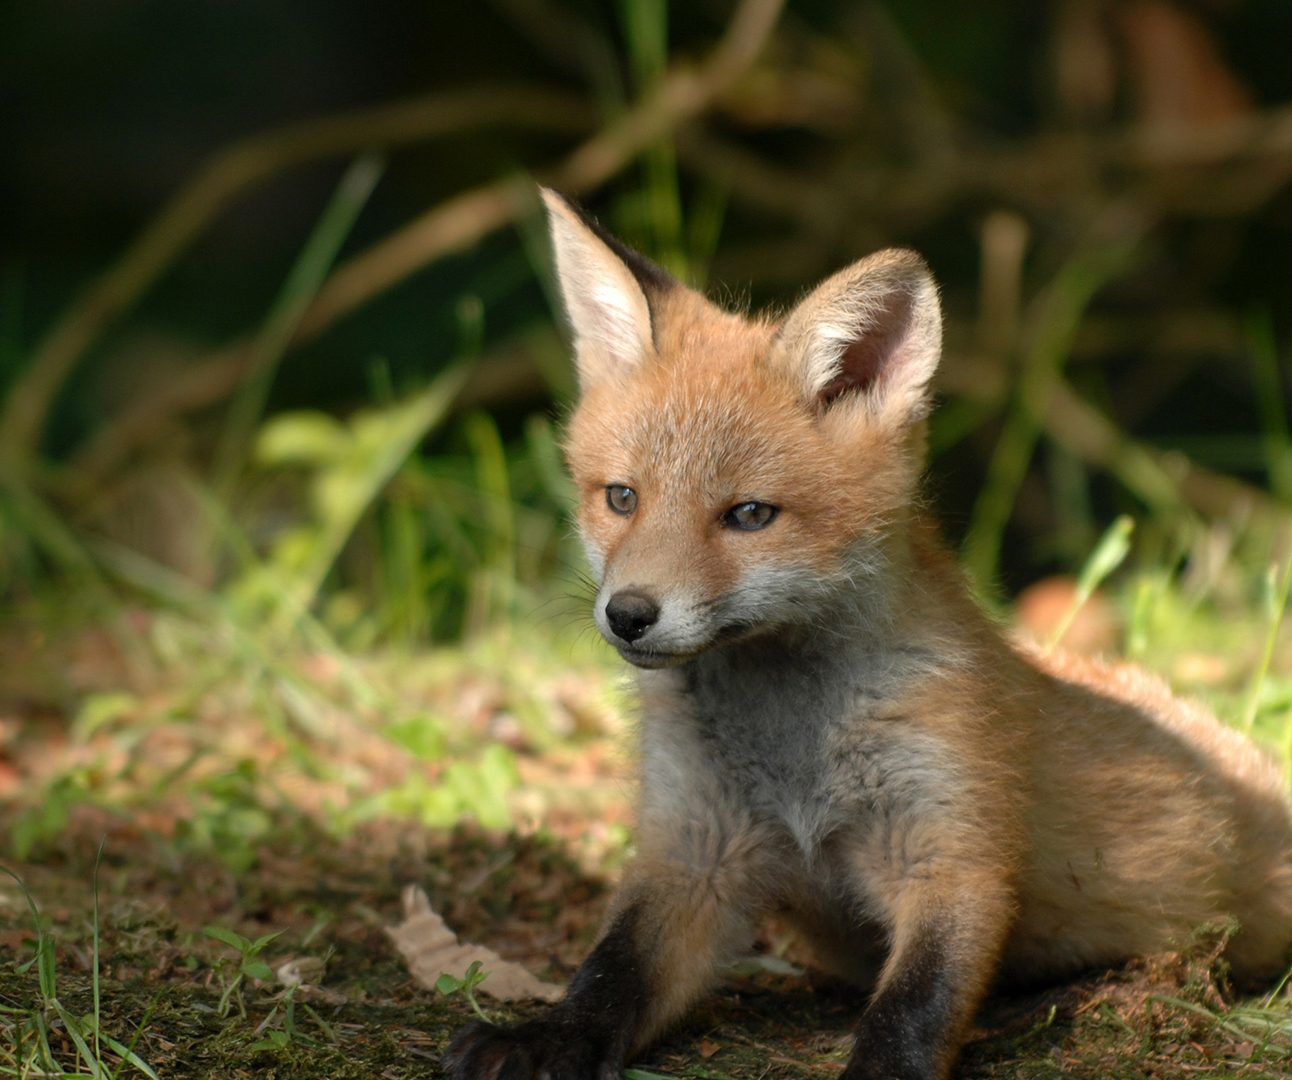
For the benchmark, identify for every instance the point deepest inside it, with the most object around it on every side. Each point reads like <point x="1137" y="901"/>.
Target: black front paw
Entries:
<point x="537" y="1050"/>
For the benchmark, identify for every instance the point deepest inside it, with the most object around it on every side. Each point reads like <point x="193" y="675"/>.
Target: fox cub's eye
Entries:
<point x="620" y="499"/>
<point x="750" y="516"/>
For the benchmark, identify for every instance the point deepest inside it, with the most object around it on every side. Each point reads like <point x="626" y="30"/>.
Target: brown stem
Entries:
<point x="231" y="171"/>
<point x="447" y="227"/>
<point x="452" y="225"/>
<point x="1161" y="478"/>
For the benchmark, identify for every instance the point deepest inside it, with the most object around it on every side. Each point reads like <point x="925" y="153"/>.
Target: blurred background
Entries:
<point x="280" y="344"/>
<point x="1101" y="188"/>
<point x="284" y="540"/>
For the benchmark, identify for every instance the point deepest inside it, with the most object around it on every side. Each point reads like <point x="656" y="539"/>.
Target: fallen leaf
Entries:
<point x="431" y="949"/>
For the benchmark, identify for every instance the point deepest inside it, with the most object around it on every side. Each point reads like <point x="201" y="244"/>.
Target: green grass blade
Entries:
<point x="1275" y="596"/>
<point x="493" y="481"/>
<point x="43" y="1048"/>
<point x="1109" y="554"/>
<point x="705" y="218"/>
<point x="44" y="957"/>
<point x="73" y="1027"/>
<point x="645" y="28"/>
<point x="1219" y="1021"/>
<point x="128" y="1055"/>
<point x="1270" y="395"/>
<point x="302" y="284"/>
<point x="405" y="429"/>
<point x="23" y="514"/>
<point x="329" y="1032"/>
<point x="94" y="960"/>
<point x="1058" y="314"/>
<point x="229" y="937"/>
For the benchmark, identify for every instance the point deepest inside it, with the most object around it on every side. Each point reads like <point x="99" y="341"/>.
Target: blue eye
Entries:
<point x="750" y="516"/>
<point x="621" y="499"/>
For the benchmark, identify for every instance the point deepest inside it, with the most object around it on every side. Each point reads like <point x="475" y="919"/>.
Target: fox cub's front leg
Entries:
<point x="687" y="903"/>
<point x="586" y="1036"/>
<point x="947" y="932"/>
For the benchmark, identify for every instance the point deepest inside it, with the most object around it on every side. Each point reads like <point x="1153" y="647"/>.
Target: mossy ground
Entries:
<point x="208" y="816"/>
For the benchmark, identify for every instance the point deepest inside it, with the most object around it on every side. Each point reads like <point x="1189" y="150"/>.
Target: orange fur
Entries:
<point x="829" y="725"/>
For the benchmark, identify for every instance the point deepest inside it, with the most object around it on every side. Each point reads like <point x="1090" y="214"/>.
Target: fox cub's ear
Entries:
<point x="874" y="330"/>
<point x="606" y="288"/>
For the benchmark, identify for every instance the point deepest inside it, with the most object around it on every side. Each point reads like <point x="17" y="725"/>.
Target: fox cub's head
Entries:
<point x="737" y="475"/>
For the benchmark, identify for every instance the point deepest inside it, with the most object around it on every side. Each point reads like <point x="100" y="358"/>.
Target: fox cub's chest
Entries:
<point x="765" y="725"/>
<point x="795" y="741"/>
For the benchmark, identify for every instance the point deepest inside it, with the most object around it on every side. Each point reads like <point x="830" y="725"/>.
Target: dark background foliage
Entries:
<point x="1010" y="143"/>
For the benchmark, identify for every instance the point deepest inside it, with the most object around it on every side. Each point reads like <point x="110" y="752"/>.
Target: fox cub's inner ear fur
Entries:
<point x="606" y="288"/>
<point x="874" y="328"/>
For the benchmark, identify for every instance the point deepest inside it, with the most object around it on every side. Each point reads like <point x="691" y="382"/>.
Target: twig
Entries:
<point x="231" y="171"/>
<point x="1260" y="135"/>
<point x="680" y="96"/>
<point x="1030" y="172"/>
<point x="448" y="227"/>
<point x="1055" y="315"/>
<point x="1161" y="478"/>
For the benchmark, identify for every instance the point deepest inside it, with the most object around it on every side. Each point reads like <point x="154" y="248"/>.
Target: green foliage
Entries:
<point x="1269" y="1030"/>
<point x="1214" y="633"/>
<point x="1274" y="597"/>
<point x="447" y="985"/>
<point x="1058" y="313"/>
<point x="229" y="816"/>
<point x="349" y="466"/>
<point x="277" y="1039"/>
<point x="32" y="1037"/>
<point x="475" y="790"/>
<point x="284" y="317"/>
<point x="234" y="973"/>
<point x="457" y="543"/>
<point x="1108" y="555"/>
<point x="44" y="820"/>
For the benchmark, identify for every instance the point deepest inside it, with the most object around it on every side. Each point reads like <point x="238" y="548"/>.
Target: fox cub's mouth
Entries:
<point x="651" y="658"/>
<point x="633" y="614"/>
<point x="652" y="633"/>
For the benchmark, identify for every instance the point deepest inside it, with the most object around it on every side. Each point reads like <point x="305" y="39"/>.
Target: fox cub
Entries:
<point x="830" y="728"/>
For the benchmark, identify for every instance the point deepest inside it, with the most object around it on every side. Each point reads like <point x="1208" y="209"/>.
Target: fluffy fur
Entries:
<point x="830" y="727"/>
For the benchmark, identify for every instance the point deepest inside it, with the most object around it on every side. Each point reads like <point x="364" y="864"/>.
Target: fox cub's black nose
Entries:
<point x="630" y="614"/>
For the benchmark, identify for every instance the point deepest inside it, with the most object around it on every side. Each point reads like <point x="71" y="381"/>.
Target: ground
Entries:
<point x="297" y="794"/>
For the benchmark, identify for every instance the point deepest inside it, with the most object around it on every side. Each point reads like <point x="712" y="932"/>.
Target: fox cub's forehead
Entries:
<point x="719" y="420"/>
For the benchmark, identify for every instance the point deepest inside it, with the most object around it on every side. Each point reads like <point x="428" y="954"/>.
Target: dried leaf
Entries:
<point x="431" y="949"/>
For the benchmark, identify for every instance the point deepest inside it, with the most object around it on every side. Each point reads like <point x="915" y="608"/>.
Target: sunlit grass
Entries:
<point x="34" y="1038"/>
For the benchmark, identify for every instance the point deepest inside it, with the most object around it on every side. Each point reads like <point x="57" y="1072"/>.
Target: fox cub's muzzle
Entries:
<point x="631" y="613"/>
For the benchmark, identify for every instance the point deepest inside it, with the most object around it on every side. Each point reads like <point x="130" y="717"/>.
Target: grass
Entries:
<point x="1057" y="314"/>
<point x="264" y="802"/>
<point x="30" y="1036"/>
<point x="395" y="683"/>
<point x="386" y="677"/>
